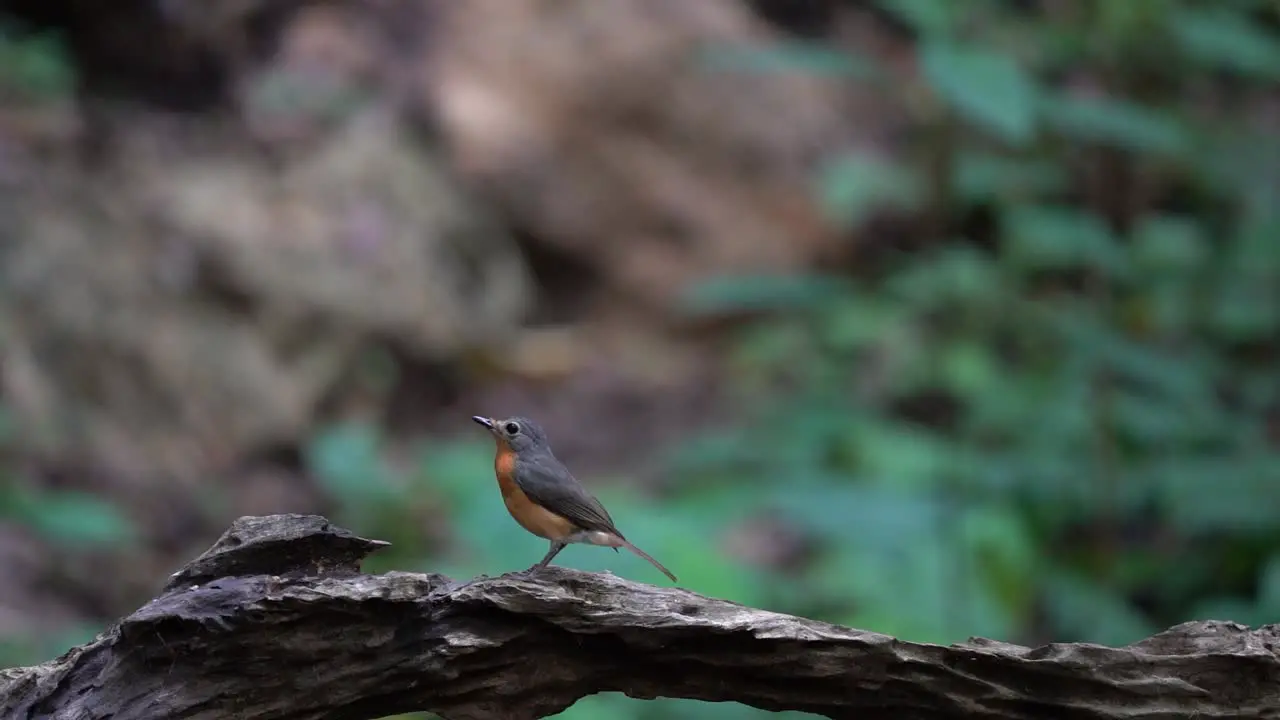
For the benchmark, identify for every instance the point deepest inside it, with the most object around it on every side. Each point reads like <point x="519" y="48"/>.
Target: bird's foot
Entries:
<point x="527" y="572"/>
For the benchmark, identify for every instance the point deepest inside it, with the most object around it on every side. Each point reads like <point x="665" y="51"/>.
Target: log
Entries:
<point x="276" y="622"/>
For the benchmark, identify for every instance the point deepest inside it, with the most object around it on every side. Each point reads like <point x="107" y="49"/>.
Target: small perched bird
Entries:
<point x="544" y="497"/>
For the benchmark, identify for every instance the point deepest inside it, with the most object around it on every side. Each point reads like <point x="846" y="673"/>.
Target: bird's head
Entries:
<point x="520" y="434"/>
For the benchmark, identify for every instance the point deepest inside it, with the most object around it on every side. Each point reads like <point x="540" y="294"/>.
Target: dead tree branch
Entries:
<point x="276" y="622"/>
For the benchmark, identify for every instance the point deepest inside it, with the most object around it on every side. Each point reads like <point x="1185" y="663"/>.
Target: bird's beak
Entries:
<point x="487" y="422"/>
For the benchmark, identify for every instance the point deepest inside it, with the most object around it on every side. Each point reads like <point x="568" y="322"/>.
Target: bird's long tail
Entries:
<point x="627" y="544"/>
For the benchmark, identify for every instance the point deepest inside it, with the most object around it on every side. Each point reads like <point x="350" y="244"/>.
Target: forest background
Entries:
<point x="936" y="319"/>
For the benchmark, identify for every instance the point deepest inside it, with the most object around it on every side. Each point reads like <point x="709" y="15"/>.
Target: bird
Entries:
<point x="545" y="498"/>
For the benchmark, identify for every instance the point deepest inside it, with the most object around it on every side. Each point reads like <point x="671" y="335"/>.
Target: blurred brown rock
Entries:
<point x="192" y="302"/>
<point x="601" y="130"/>
<point x="199" y="294"/>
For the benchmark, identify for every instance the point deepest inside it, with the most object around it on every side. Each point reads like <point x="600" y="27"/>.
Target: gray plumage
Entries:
<point x="547" y="483"/>
<point x="550" y="484"/>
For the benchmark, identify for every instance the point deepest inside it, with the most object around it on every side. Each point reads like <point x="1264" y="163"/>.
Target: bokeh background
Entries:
<point x="931" y="318"/>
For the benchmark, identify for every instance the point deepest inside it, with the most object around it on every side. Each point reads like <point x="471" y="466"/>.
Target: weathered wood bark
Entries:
<point x="276" y="621"/>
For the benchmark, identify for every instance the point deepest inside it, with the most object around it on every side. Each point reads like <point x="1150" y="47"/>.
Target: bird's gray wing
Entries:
<point x="548" y="483"/>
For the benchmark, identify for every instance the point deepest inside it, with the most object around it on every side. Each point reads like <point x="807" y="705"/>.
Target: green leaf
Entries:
<point x="602" y="705"/>
<point x="1169" y="307"/>
<point x="852" y="187"/>
<point x="971" y="369"/>
<point x="711" y="452"/>
<point x="460" y="472"/>
<point x="347" y="460"/>
<point x="1181" y="383"/>
<point x="1226" y="39"/>
<point x="1245" y="304"/>
<point x="1066" y="415"/>
<point x="1238" y="158"/>
<point x="756" y="293"/>
<point x="38" y="66"/>
<point x="1230" y="609"/>
<point x="1156" y="422"/>
<point x="801" y="57"/>
<point x="717" y="506"/>
<point x="1003" y="554"/>
<point x="857" y="322"/>
<point x="1119" y="123"/>
<point x="1242" y="310"/>
<point x="1217" y="492"/>
<point x="763" y="348"/>
<point x="1252" y="250"/>
<point x="987" y="88"/>
<point x="955" y="274"/>
<point x="1170" y="244"/>
<point x="1047" y="477"/>
<point x="1269" y="584"/>
<point x="1044" y="237"/>
<point x="76" y="519"/>
<point x="799" y="438"/>
<point x="1184" y="378"/>
<point x="982" y="177"/>
<point x="30" y="646"/>
<point x="902" y="455"/>
<point x="870" y="518"/>
<point x="919" y="588"/>
<point x="493" y="541"/>
<point x="1084" y="611"/>
<point x="1007" y="412"/>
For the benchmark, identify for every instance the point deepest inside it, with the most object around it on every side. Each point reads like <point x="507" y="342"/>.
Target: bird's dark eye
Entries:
<point x="511" y="428"/>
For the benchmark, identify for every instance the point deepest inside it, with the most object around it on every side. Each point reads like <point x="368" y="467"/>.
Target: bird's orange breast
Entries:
<point x="504" y="466"/>
<point x="532" y="517"/>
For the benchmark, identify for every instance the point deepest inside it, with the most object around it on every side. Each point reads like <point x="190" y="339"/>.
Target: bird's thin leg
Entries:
<point x="556" y="547"/>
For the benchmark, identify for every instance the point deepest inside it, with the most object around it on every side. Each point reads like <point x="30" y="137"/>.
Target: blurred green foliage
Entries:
<point x="1061" y="424"/>
<point x="68" y="522"/>
<point x="33" y="67"/>
<point x="1056" y="423"/>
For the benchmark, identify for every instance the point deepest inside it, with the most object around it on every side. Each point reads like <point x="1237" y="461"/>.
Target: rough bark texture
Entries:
<point x="276" y="621"/>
